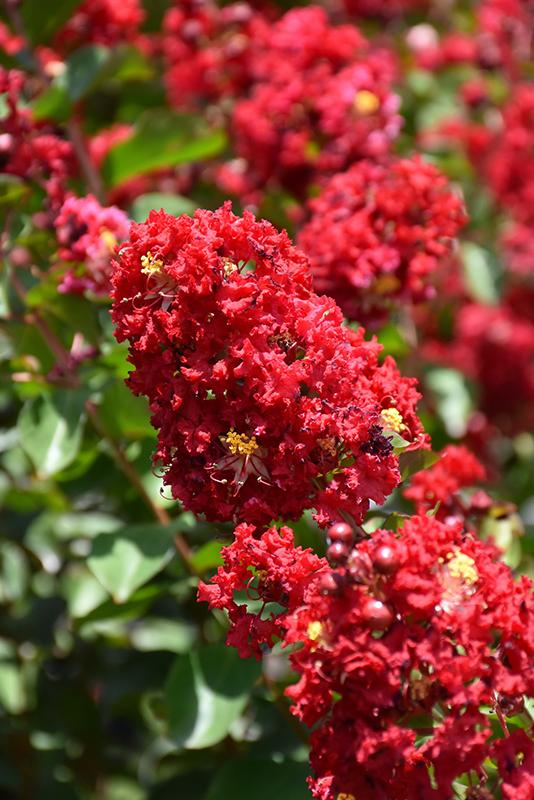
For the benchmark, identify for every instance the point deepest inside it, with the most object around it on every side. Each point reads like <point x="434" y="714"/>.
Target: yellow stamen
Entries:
<point x="315" y="630"/>
<point x="328" y="444"/>
<point x="228" y="267"/>
<point x="386" y="284"/>
<point x="462" y="567"/>
<point x="109" y="239"/>
<point x="365" y="102"/>
<point x="345" y="796"/>
<point x="151" y="265"/>
<point x="240" y="443"/>
<point x="392" y="420"/>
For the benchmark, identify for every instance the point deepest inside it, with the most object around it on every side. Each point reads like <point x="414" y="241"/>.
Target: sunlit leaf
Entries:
<point x="206" y="691"/>
<point x="50" y="429"/>
<point x="126" y="559"/>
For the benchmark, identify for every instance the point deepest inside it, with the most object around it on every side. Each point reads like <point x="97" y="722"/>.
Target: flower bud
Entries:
<point x="386" y="560"/>
<point x="341" y="532"/>
<point x="337" y="552"/>
<point x="377" y="615"/>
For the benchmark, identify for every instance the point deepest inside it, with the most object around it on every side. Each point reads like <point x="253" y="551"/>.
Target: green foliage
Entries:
<point x="205" y="693"/>
<point x="50" y="429"/>
<point x="161" y="139"/>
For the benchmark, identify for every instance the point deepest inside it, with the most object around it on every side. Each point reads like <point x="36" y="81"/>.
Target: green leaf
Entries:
<point x="262" y="780"/>
<point x="162" y="139"/>
<point x="208" y="556"/>
<point x="124" y="414"/>
<point x="171" y="203"/>
<point x="85" y="68"/>
<point x="126" y="559"/>
<point x="153" y="634"/>
<point x="50" y="430"/>
<point x="82" y="591"/>
<point x="54" y="103"/>
<point x="416" y="460"/>
<point x="206" y="692"/>
<point x="13" y="696"/>
<point x="14" y="572"/>
<point x="12" y="190"/>
<point x="454" y="402"/>
<point x="480" y="275"/>
<point x="42" y="19"/>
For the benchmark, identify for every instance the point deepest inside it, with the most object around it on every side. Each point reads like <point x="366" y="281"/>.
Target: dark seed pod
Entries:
<point x="341" y="532"/>
<point x="386" y="561"/>
<point x="337" y="552"/>
<point x="377" y="615"/>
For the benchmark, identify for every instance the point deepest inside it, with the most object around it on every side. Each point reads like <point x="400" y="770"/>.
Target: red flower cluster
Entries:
<point x="501" y="40"/>
<point x="509" y="164"/>
<point x="378" y="232"/>
<point x="88" y="235"/>
<point x="270" y="569"/>
<point x="254" y="383"/>
<point x="376" y="8"/>
<point x="398" y="652"/>
<point x="31" y="149"/>
<point x="319" y="99"/>
<point x="106" y="22"/>
<point x="439" y="486"/>
<point x="207" y="50"/>
<point x="494" y="345"/>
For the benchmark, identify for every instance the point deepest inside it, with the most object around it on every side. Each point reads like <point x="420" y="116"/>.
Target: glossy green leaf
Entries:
<point x="12" y="191"/>
<point x="82" y="591"/>
<point x="157" y="633"/>
<point x="206" y="691"/>
<point x="416" y="460"/>
<point x="171" y="203"/>
<point x="480" y="273"/>
<point x="14" y="572"/>
<point x="262" y="780"/>
<point x="454" y="402"/>
<point x="12" y="688"/>
<point x="54" y="103"/>
<point x="50" y="430"/>
<point x="126" y="559"/>
<point x="42" y="19"/>
<point x="84" y="68"/>
<point x="162" y="139"/>
<point x="124" y="414"/>
<point x="208" y="556"/>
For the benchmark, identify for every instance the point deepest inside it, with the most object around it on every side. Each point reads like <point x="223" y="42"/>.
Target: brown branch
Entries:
<point x="91" y="174"/>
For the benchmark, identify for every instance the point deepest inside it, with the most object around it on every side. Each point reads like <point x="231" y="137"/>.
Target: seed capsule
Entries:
<point x="386" y="560"/>
<point x="341" y="532"/>
<point x="337" y="552"/>
<point x="377" y="615"/>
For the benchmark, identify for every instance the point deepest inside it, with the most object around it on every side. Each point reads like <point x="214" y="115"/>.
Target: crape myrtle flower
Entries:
<point x="378" y="233"/>
<point x="500" y="41"/>
<point x="400" y="654"/>
<point x="375" y="8"/>
<point x="269" y="568"/>
<point x="105" y="22"/>
<point x="509" y="163"/>
<point x="319" y="99"/>
<point x="207" y="51"/>
<point x="439" y="488"/>
<point x="88" y="235"/>
<point x="494" y="346"/>
<point x="265" y="404"/>
<point x="31" y="149"/>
